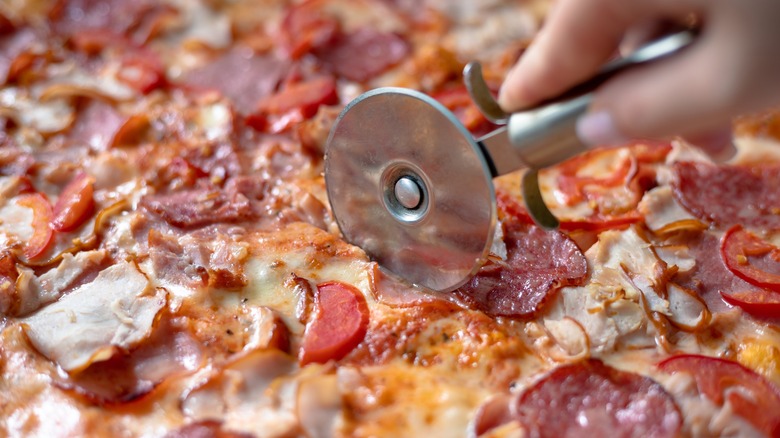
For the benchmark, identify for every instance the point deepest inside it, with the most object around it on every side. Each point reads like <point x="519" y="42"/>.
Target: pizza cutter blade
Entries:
<point x="410" y="185"/>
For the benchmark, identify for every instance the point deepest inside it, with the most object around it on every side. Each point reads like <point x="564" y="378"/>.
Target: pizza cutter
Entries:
<point x="412" y="187"/>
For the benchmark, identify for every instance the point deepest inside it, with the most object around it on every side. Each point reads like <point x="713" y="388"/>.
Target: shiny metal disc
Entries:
<point x="409" y="185"/>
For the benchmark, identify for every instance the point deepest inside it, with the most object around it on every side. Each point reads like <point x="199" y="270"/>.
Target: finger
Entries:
<point x="578" y="38"/>
<point x="695" y="91"/>
<point x="642" y="33"/>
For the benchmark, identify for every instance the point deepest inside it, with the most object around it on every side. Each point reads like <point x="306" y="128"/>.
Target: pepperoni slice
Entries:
<point x="339" y="325"/>
<point x="42" y="233"/>
<point x="75" y="204"/>
<point x="538" y="264"/>
<point x="719" y="379"/>
<point x="760" y="303"/>
<point x="240" y="75"/>
<point x="587" y="399"/>
<point x="730" y="195"/>
<point x="751" y="258"/>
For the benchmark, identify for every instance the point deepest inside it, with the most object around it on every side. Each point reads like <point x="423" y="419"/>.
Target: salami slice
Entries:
<point x="709" y="277"/>
<point x="730" y="195"/>
<point x="538" y="264"/>
<point x="364" y="54"/>
<point x="588" y="399"/>
<point x="240" y="75"/>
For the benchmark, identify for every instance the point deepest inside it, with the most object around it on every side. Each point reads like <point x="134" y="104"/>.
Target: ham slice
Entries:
<point x="115" y="311"/>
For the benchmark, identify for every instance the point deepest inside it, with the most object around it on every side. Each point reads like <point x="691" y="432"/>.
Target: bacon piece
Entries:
<point x="240" y="75"/>
<point x="199" y="207"/>
<point x="127" y="376"/>
<point x="196" y="261"/>
<point x="587" y="398"/>
<point x="304" y="28"/>
<point x="538" y="264"/>
<point x="751" y="258"/>
<point x="12" y="46"/>
<point x="117" y="16"/>
<point x="363" y="54"/>
<point x="8" y="276"/>
<point x="730" y="195"/>
<point x="750" y="395"/>
<point x="95" y="126"/>
<point x="139" y="67"/>
<point x="247" y="393"/>
<point x="394" y="292"/>
<point x="339" y="325"/>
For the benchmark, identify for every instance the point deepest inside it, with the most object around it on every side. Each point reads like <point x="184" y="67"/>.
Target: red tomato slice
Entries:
<point x="761" y="303"/>
<point x="306" y="96"/>
<point x="74" y="204"/>
<point x="339" y="325"/>
<point x="596" y="222"/>
<point x="42" y="233"/>
<point x="293" y="104"/>
<point x="751" y="258"/>
<point x="573" y="186"/>
<point x="715" y="376"/>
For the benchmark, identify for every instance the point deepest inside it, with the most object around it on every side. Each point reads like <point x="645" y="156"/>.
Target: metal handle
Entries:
<point x="546" y="134"/>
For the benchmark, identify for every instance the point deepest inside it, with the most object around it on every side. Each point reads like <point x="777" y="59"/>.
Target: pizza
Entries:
<point x="170" y="265"/>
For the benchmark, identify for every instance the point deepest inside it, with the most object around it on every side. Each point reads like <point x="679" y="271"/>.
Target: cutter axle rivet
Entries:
<point x="408" y="193"/>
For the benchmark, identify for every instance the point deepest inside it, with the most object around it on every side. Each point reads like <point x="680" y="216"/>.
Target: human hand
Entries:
<point x="732" y="68"/>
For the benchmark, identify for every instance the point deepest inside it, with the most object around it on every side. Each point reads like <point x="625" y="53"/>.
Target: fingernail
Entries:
<point x="598" y="129"/>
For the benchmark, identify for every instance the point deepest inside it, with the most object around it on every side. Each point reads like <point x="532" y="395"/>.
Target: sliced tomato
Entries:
<point x="293" y="104"/>
<point x="761" y="303"/>
<point x="458" y="100"/>
<point x="595" y="222"/>
<point x="42" y="232"/>
<point x="340" y="323"/>
<point x="75" y="204"/>
<point x="751" y="258"/>
<point x="572" y="183"/>
<point x="718" y="378"/>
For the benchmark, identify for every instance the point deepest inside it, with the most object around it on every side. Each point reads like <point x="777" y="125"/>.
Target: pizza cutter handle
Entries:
<point x="546" y="134"/>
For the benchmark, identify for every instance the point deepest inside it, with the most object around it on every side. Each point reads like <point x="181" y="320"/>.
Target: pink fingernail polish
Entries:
<point x="598" y="129"/>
